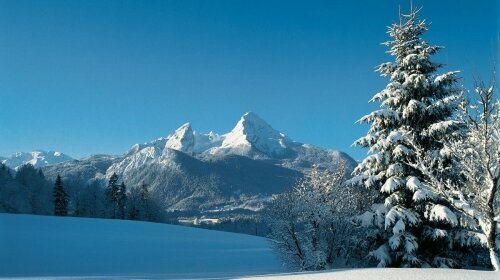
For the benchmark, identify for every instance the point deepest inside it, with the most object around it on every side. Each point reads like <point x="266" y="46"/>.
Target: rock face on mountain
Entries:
<point x="211" y="174"/>
<point x="36" y="158"/>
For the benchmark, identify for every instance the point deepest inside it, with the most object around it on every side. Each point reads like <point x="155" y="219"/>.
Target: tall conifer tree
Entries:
<point x="112" y="196"/>
<point x="60" y="198"/>
<point x="417" y="106"/>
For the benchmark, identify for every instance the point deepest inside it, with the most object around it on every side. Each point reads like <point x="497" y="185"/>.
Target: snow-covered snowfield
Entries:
<point x="388" y="274"/>
<point x="54" y="246"/>
<point x="77" y="248"/>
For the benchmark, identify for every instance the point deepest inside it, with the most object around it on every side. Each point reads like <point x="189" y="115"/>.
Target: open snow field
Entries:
<point x="388" y="274"/>
<point x="41" y="247"/>
<point x="55" y="246"/>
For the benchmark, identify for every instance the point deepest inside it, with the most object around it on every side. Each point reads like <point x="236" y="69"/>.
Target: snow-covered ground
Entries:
<point x="55" y="246"/>
<point x="80" y="248"/>
<point x="388" y="274"/>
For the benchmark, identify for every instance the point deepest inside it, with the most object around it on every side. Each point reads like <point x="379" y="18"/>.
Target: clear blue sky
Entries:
<point x="87" y="77"/>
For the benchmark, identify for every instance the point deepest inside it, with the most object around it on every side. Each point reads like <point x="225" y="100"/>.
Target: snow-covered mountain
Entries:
<point x="210" y="173"/>
<point x="37" y="158"/>
<point x="253" y="137"/>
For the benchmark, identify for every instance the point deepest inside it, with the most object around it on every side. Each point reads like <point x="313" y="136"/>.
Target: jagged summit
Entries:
<point x="182" y="139"/>
<point x="251" y="132"/>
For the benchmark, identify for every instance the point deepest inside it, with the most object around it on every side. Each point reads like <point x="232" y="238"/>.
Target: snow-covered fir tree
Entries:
<point x="413" y="220"/>
<point x="60" y="198"/>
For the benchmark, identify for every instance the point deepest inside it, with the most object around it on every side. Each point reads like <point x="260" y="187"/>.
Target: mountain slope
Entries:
<point x="82" y="170"/>
<point x="188" y="183"/>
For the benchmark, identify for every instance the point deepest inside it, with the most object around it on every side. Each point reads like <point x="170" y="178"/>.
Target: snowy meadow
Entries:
<point x="252" y="203"/>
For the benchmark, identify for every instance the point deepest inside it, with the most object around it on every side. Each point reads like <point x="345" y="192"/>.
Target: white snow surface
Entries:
<point x="84" y="248"/>
<point x="252" y="131"/>
<point x="182" y="139"/>
<point x="43" y="246"/>
<point x="37" y="158"/>
<point x="389" y="274"/>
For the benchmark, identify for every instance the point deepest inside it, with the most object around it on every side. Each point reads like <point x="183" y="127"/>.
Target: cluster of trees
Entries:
<point x="25" y="191"/>
<point x="28" y="191"/>
<point x="310" y="225"/>
<point x="433" y="163"/>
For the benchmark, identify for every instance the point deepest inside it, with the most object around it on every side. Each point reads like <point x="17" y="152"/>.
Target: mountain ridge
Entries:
<point x="37" y="158"/>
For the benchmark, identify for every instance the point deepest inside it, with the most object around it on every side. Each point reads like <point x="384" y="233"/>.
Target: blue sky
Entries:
<point x="87" y="77"/>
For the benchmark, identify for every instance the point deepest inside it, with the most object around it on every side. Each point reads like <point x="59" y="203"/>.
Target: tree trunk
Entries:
<point x="491" y="233"/>
<point x="495" y="262"/>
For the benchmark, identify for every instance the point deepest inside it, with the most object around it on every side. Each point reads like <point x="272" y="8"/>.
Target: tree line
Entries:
<point x="28" y="191"/>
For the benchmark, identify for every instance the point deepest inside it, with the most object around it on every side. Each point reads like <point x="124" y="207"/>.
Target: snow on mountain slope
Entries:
<point x="182" y="139"/>
<point x="37" y="158"/>
<point x="157" y="144"/>
<point x="251" y="132"/>
<point x="387" y="274"/>
<point x="204" y="142"/>
<point x="186" y="140"/>
<point x="82" y="170"/>
<point x="41" y="246"/>
<point x="146" y="155"/>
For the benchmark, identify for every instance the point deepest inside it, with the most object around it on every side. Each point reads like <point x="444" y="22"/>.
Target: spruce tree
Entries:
<point x="145" y="202"/>
<point x="417" y="107"/>
<point x="121" y="200"/>
<point x="60" y="198"/>
<point x="112" y="196"/>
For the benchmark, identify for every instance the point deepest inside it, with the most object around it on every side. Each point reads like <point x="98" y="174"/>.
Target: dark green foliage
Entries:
<point x="112" y="196"/>
<point x="37" y="187"/>
<point x="116" y="198"/>
<point x="60" y="198"/>
<point x="121" y="200"/>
